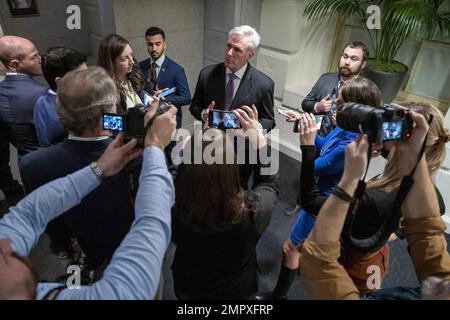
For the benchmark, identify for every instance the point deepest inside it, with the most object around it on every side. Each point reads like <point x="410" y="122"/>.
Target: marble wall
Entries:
<point x="49" y="27"/>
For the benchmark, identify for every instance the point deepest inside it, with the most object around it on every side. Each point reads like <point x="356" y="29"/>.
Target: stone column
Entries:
<point x="220" y="18"/>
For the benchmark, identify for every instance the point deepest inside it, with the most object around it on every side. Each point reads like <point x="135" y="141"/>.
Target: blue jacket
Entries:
<point x="48" y="128"/>
<point x="18" y="94"/>
<point x="330" y="163"/>
<point x="170" y="75"/>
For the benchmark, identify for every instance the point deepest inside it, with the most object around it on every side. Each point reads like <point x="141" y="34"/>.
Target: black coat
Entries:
<point x="255" y="88"/>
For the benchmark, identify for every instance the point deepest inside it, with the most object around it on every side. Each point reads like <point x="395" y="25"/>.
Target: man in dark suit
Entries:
<point x="56" y="62"/>
<point x="235" y="82"/>
<point x="322" y="98"/>
<point x="104" y="217"/>
<point x="161" y="72"/>
<point x="18" y="93"/>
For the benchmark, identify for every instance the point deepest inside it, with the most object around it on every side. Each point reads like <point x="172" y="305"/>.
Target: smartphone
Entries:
<point x="167" y="92"/>
<point x="319" y="120"/>
<point x="392" y="130"/>
<point x="283" y="113"/>
<point x="223" y="119"/>
<point x="147" y="98"/>
<point x="113" y="122"/>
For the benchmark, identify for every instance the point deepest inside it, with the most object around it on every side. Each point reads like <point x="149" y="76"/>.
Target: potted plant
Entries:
<point x="400" y="20"/>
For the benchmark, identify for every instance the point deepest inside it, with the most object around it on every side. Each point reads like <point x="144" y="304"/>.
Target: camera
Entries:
<point x="223" y="119"/>
<point x="132" y="123"/>
<point x="385" y="123"/>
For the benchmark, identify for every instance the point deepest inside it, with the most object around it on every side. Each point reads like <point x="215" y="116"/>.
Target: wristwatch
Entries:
<point x="97" y="171"/>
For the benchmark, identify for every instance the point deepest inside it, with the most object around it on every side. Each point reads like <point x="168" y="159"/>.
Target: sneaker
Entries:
<point x="293" y="211"/>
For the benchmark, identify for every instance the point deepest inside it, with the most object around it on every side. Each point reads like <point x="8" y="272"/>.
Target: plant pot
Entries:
<point x="388" y="83"/>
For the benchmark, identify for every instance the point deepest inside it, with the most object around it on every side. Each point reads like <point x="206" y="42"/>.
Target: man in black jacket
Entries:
<point x="235" y="82"/>
<point x="322" y="97"/>
<point x="18" y="93"/>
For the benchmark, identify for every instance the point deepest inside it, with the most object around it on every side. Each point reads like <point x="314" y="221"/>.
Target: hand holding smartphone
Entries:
<point x="223" y="119"/>
<point x="167" y="92"/>
<point x="291" y="115"/>
<point x="319" y="120"/>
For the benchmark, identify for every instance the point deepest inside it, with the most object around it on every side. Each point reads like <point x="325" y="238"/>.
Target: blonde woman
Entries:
<point x="379" y="196"/>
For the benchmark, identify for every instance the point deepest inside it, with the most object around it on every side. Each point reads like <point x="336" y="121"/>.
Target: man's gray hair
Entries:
<point x="83" y="97"/>
<point x="248" y="32"/>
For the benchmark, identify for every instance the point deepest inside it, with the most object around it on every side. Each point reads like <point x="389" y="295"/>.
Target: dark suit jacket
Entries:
<point x="255" y="88"/>
<point x="18" y="95"/>
<point x="325" y="85"/>
<point x="46" y="120"/>
<point x="103" y="218"/>
<point x="170" y="75"/>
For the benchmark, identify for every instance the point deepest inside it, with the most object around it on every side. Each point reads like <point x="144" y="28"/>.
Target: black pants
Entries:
<point x="6" y="178"/>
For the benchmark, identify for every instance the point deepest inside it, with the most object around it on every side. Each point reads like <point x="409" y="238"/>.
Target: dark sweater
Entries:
<point x="223" y="265"/>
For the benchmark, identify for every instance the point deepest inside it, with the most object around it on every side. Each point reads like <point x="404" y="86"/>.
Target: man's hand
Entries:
<point x="409" y="150"/>
<point x="308" y="129"/>
<point x="248" y="118"/>
<point x="205" y="114"/>
<point x="162" y="129"/>
<point x="117" y="155"/>
<point x="324" y="105"/>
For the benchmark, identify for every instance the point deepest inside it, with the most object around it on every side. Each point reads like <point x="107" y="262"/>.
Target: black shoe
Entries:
<point x="13" y="189"/>
<point x="269" y="296"/>
<point x="293" y="211"/>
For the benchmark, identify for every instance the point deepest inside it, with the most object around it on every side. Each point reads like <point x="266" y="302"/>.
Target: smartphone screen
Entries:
<point x="167" y="92"/>
<point x="392" y="130"/>
<point x="319" y="120"/>
<point x="113" y="122"/>
<point x="223" y="120"/>
<point x="147" y="98"/>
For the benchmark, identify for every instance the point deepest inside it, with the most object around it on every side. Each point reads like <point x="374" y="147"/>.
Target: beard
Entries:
<point x="155" y="55"/>
<point x="347" y="72"/>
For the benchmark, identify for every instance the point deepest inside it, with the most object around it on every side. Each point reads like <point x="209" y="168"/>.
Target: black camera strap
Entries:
<point x="391" y="220"/>
<point x="158" y="112"/>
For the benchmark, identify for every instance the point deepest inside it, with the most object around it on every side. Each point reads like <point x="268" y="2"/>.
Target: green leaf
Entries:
<point x="400" y="20"/>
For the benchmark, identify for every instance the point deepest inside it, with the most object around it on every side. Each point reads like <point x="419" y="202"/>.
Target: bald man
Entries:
<point x="18" y="94"/>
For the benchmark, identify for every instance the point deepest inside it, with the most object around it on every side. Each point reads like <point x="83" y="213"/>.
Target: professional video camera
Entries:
<point x="381" y="124"/>
<point x="132" y="123"/>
